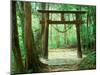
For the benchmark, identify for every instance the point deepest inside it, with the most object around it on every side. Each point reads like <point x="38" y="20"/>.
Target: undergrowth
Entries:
<point x="88" y="62"/>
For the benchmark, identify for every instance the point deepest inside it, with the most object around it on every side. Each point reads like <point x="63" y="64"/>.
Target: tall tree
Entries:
<point x="50" y="27"/>
<point x="28" y="36"/>
<point x="33" y="63"/>
<point x="88" y="23"/>
<point x="44" y="31"/>
<point x="51" y="35"/>
<point x="21" y="16"/>
<point x="94" y="27"/>
<point x="65" y="34"/>
<point x="57" y="37"/>
<point x="15" y="41"/>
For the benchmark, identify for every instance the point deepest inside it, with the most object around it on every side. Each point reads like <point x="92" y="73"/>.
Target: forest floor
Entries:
<point x="62" y="60"/>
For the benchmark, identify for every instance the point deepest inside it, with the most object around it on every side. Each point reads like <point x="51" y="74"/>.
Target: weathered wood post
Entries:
<point x="46" y="35"/>
<point x="42" y="33"/>
<point x="79" y="52"/>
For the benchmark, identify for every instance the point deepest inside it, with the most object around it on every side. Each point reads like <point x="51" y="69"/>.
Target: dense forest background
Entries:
<point x="28" y="40"/>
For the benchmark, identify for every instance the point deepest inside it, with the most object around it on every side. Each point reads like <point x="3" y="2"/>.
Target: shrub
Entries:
<point x="89" y="62"/>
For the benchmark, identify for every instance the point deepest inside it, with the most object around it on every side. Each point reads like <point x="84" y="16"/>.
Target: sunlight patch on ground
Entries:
<point x="62" y="53"/>
<point x="62" y="57"/>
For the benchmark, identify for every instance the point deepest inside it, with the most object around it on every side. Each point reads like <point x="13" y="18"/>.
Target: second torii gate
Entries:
<point x="46" y="21"/>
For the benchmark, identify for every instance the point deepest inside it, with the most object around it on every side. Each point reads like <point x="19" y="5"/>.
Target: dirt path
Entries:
<point x="62" y="60"/>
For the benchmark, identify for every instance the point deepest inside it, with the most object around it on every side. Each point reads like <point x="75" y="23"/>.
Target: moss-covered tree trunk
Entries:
<point x="15" y="41"/>
<point x="21" y="16"/>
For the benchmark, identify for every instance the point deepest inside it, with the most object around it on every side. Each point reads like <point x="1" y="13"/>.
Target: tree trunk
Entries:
<point x="51" y="30"/>
<point x="65" y="34"/>
<point x="88" y="22"/>
<point x="94" y="29"/>
<point x="28" y="35"/>
<point x="57" y="38"/>
<point x="20" y="7"/>
<point x="51" y="35"/>
<point x="22" y="19"/>
<point x="15" y="41"/>
<point x="33" y="63"/>
<point x="44" y="31"/>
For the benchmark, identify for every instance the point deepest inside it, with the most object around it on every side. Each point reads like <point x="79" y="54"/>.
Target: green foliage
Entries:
<point x="89" y="62"/>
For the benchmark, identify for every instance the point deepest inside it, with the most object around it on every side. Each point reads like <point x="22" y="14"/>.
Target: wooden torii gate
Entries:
<point x="46" y="21"/>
